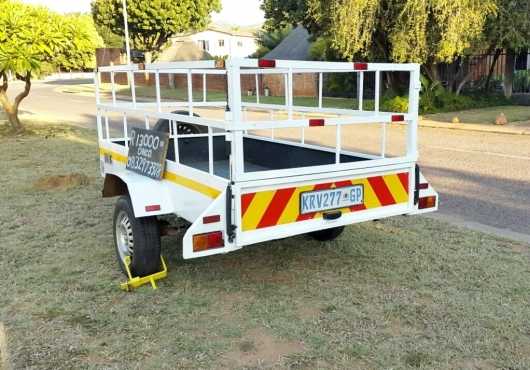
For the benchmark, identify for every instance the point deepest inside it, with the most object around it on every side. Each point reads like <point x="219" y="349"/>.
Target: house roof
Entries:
<point x="234" y="31"/>
<point x="228" y="30"/>
<point x="183" y="51"/>
<point x="294" y="47"/>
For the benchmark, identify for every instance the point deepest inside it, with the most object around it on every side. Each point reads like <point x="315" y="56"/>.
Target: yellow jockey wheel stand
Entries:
<point x="135" y="282"/>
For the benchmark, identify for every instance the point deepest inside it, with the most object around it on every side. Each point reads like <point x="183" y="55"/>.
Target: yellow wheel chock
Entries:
<point x="135" y="282"/>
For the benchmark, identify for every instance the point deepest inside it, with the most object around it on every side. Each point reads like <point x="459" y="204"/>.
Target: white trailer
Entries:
<point x="237" y="186"/>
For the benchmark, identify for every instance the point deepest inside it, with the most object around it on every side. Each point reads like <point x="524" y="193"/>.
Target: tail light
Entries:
<point x="206" y="241"/>
<point x="266" y="63"/>
<point x="316" y="122"/>
<point x="211" y="219"/>
<point x="360" y="66"/>
<point x="397" y="118"/>
<point x="427" y="202"/>
<point x="152" y="208"/>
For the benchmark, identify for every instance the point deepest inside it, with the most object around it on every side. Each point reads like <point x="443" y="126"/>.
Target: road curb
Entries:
<point x="476" y="128"/>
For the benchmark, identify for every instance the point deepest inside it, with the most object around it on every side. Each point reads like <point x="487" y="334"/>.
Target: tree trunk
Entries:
<point x="508" y="73"/>
<point x="14" y="121"/>
<point x="11" y="109"/>
<point x="432" y="71"/>
<point x="463" y="83"/>
<point x="492" y="68"/>
<point x="148" y="59"/>
<point x="11" y="112"/>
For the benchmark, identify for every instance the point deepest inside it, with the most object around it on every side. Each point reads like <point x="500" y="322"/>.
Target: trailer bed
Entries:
<point x="260" y="155"/>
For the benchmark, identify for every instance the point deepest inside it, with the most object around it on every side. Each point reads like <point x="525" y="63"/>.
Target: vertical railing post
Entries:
<point x="107" y="130"/>
<point x="234" y="91"/>
<point x="285" y="90"/>
<point x="338" y="142"/>
<point x="146" y="119"/>
<point x="204" y="87"/>
<point x="132" y="84"/>
<point x="360" y="77"/>
<point x="113" y="88"/>
<point x="302" y="137"/>
<point x="272" y="119"/>
<point x="412" y="124"/>
<point x="377" y="92"/>
<point x="320" y="84"/>
<point x="290" y="93"/>
<point x="157" y="89"/>
<point x="173" y="123"/>
<point x="190" y="92"/>
<point x="210" y="150"/>
<point x="125" y="131"/>
<point x="383" y="139"/>
<point x="98" y="101"/>
<point x="257" y="88"/>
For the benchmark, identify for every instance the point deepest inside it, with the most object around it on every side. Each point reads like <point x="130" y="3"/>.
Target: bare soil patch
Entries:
<point x="61" y="182"/>
<point x="259" y="348"/>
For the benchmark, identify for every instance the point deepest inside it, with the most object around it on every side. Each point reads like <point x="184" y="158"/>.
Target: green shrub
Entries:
<point x="396" y="104"/>
<point x="444" y="102"/>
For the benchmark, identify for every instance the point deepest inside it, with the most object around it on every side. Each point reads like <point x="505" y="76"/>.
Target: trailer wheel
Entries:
<point x="327" y="234"/>
<point x="138" y="238"/>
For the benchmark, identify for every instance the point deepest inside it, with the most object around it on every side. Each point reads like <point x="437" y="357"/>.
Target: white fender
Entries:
<point x="149" y="197"/>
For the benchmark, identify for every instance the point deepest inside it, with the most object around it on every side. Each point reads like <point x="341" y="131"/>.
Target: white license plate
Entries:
<point x="321" y="200"/>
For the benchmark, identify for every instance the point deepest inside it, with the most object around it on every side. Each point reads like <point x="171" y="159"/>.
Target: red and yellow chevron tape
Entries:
<point x="282" y="206"/>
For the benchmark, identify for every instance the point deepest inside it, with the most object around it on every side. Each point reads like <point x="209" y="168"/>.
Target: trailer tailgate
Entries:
<point x="286" y="205"/>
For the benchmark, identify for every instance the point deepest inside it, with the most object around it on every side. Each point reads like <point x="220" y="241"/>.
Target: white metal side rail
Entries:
<point x="230" y="203"/>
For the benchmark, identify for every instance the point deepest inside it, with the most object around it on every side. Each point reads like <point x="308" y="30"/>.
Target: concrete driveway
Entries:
<point x="483" y="178"/>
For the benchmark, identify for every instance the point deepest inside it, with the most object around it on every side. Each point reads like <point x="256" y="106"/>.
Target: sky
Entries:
<point x="235" y="12"/>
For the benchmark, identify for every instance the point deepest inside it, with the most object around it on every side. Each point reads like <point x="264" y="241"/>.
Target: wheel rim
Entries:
<point x="124" y="236"/>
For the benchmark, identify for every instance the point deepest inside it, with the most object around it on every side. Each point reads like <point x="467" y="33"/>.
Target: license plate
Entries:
<point x="321" y="200"/>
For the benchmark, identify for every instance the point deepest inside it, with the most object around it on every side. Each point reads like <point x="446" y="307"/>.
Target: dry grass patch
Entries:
<point x="403" y="293"/>
<point x="258" y="348"/>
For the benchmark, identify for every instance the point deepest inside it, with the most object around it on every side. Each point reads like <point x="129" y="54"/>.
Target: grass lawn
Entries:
<point x="514" y="113"/>
<point x="402" y="293"/>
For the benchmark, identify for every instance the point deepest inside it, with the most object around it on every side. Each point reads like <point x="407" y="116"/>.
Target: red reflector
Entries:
<point x="152" y="208"/>
<point x="397" y="118"/>
<point x="360" y="66"/>
<point x="203" y="242"/>
<point x="316" y="122"/>
<point x="266" y="63"/>
<point x="211" y="219"/>
<point x="427" y="202"/>
<point x="423" y="186"/>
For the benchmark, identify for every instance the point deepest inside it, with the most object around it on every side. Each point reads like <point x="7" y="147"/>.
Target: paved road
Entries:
<point x="483" y="178"/>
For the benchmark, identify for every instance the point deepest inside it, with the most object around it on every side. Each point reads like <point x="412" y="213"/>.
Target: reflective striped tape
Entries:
<point x="282" y="206"/>
<point x="170" y="176"/>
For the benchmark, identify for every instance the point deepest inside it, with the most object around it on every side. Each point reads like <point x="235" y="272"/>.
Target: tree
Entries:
<point x="508" y="30"/>
<point x="80" y="39"/>
<point x="110" y="39"/>
<point x="153" y="23"/>
<point x="269" y="39"/>
<point x="422" y="31"/>
<point x="29" y="37"/>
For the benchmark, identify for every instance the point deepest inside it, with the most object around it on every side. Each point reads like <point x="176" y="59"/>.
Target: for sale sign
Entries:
<point x="147" y="152"/>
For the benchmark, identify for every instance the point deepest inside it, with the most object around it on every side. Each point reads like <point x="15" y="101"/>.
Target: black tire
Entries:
<point x="327" y="234"/>
<point x="182" y="127"/>
<point x="141" y="238"/>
